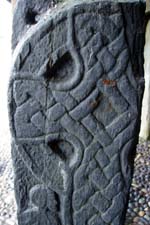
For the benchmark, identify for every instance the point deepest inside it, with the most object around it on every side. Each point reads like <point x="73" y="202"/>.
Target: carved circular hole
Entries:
<point x="31" y="17"/>
<point x="62" y="148"/>
<point x="62" y="69"/>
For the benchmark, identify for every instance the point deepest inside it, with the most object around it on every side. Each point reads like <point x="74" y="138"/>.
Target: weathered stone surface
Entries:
<point x="75" y="99"/>
<point x="27" y="13"/>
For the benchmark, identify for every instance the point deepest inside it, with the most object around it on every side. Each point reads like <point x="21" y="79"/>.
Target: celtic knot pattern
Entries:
<point x="75" y="104"/>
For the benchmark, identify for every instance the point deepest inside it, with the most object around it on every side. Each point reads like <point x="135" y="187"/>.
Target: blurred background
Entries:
<point x="7" y="203"/>
<point x="5" y="58"/>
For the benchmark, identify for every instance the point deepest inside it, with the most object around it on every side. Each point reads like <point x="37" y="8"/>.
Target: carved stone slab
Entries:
<point x="75" y="98"/>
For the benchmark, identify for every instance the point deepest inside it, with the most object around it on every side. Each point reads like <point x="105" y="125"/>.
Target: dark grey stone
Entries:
<point x="75" y="102"/>
<point x="27" y="13"/>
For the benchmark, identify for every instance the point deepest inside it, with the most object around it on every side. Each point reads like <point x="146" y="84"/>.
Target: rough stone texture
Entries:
<point x="27" y="13"/>
<point x="75" y="99"/>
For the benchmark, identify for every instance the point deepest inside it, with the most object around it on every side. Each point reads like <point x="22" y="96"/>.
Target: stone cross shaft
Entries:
<point x="74" y="103"/>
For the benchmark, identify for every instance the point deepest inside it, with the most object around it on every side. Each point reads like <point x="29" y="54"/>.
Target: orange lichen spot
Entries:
<point x="109" y="82"/>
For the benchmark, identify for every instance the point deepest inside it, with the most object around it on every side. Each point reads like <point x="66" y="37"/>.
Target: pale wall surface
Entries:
<point x="147" y="6"/>
<point x="145" y="121"/>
